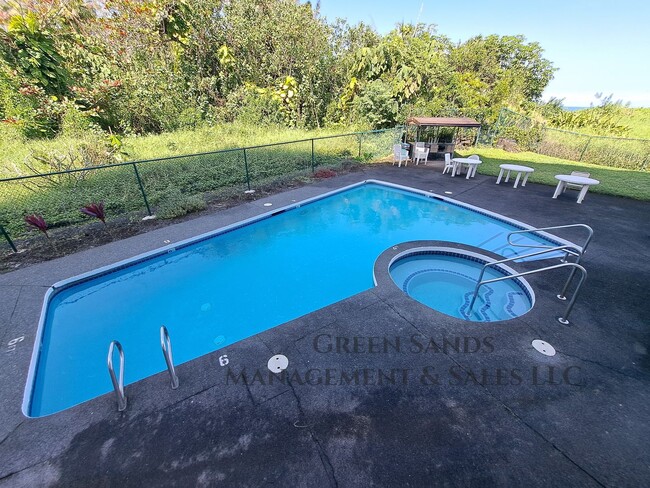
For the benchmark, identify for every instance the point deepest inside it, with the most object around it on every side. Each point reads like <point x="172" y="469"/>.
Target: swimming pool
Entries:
<point x="217" y="289"/>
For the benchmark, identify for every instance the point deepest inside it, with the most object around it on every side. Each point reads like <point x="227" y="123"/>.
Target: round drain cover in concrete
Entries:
<point x="543" y="347"/>
<point x="278" y="363"/>
<point x="268" y="204"/>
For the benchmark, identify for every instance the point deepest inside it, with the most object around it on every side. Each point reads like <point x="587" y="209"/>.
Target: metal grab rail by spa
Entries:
<point x="118" y="385"/>
<point x="166" y="345"/>
<point x="563" y="320"/>
<point x="583" y="248"/>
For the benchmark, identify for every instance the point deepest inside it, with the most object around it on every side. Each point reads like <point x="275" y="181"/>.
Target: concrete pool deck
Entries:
<point x="380" y="390"/>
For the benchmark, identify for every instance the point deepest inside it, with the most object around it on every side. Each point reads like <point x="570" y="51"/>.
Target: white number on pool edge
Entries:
<point x="223" y="360"/>
<point x="11" y="345"/>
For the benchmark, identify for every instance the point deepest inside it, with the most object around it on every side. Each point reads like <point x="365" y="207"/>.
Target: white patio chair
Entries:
<point x="400" y="154"/>
<point x="449" y="166"/>
<point x="420" y="153"/>
<point x="571" y="186"/>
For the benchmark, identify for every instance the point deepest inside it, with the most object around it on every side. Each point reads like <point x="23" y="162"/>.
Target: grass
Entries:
<point x="176" y="186"/>
<point x="15" y="150"/>
<point x="613" y="181"/>
<point x="638" y="122"/>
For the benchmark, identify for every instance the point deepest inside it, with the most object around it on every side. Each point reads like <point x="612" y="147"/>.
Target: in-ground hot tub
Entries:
<point x="445" y="279"/>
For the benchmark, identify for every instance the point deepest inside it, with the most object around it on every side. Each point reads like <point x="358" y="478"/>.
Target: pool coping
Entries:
<point x="146" y="256"/>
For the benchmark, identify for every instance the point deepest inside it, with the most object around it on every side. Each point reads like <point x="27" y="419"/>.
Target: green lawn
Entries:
<point x="613" y="181"/>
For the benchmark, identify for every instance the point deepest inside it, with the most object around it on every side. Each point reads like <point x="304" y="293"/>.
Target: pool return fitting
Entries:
<point x="118" y="382"/>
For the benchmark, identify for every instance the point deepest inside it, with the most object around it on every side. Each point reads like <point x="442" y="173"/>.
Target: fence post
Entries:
<point x="360" y="136"/>
<point x="494" y="127"/>
<point x="144" y="195"/>
<point x="11" y="243"/>
<point x="248" y="180"/>
<point x="313" y="163"/>
<point x="584" y="149"/>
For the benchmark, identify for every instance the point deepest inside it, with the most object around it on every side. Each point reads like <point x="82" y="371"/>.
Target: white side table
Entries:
<point x="581" y="181"/>
<point x="515" y="167"/>
<point x="471" y="163"/>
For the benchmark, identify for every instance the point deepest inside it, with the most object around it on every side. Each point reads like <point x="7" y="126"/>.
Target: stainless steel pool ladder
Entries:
<point x="118" y="384"/>
<point x="575" y="266"/>
<point x="166" y="345"/>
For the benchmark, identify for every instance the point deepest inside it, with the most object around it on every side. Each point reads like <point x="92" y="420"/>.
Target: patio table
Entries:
<point x="471" y="166"/>
<point x="581" y="181"/>
<point x="515" y="167"/>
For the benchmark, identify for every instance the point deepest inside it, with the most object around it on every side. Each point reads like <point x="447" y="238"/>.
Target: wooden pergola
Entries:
<point x="443" y="122"/>
<point x="438" y="122"/>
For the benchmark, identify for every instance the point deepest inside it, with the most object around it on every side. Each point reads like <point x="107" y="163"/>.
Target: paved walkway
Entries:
<point x="417" y="399"/>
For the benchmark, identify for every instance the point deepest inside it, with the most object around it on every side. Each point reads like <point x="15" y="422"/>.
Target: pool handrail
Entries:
<point x="166" y="346"/>
<point x="583" y="248"/>
<point x="575" y="266"/>
<point x="118" y="385"/>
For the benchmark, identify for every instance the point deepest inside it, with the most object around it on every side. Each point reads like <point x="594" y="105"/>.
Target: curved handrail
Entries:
<point x="501" y="261"/>
<point x="563" y="320"/>
<point x="166" y="345"/>
<point x="118" y="385"/>
<point x="590" y="233"/>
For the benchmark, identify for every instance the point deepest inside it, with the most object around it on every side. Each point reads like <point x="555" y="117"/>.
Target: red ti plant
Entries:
<point x="38" y="222"/>
<point x="95" y="210"/>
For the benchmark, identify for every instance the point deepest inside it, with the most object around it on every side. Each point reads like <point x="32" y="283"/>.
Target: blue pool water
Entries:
<point x="446" y="283"/>
<point x="218" y="291"/>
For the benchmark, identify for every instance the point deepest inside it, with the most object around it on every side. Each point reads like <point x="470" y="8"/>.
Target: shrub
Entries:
<point x="95" y="210"/>
<point x="526" y="139"/>
<point x="252" y="106"/>
<point x="376" y="105"/>
<point x="37" y="222"/>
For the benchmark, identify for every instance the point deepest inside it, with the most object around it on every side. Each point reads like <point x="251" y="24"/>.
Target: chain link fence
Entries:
<point x="173" y="186"/>
<point x="617" y="152"/>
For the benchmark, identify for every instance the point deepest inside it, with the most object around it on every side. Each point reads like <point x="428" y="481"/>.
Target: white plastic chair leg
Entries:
<point x="583" y="192"/>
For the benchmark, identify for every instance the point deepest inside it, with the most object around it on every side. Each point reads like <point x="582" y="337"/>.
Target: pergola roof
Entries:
<point x="443" y="122"/>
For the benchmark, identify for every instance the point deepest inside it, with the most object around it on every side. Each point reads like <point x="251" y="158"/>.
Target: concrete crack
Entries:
<point x="7" y="476"/>
<point x="609" y="368"/>
<point x="12" y="431"/>
<point x="324" y="458"/>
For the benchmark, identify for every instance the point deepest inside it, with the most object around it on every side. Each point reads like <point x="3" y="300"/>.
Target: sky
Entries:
<point x="598" y="46"/>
